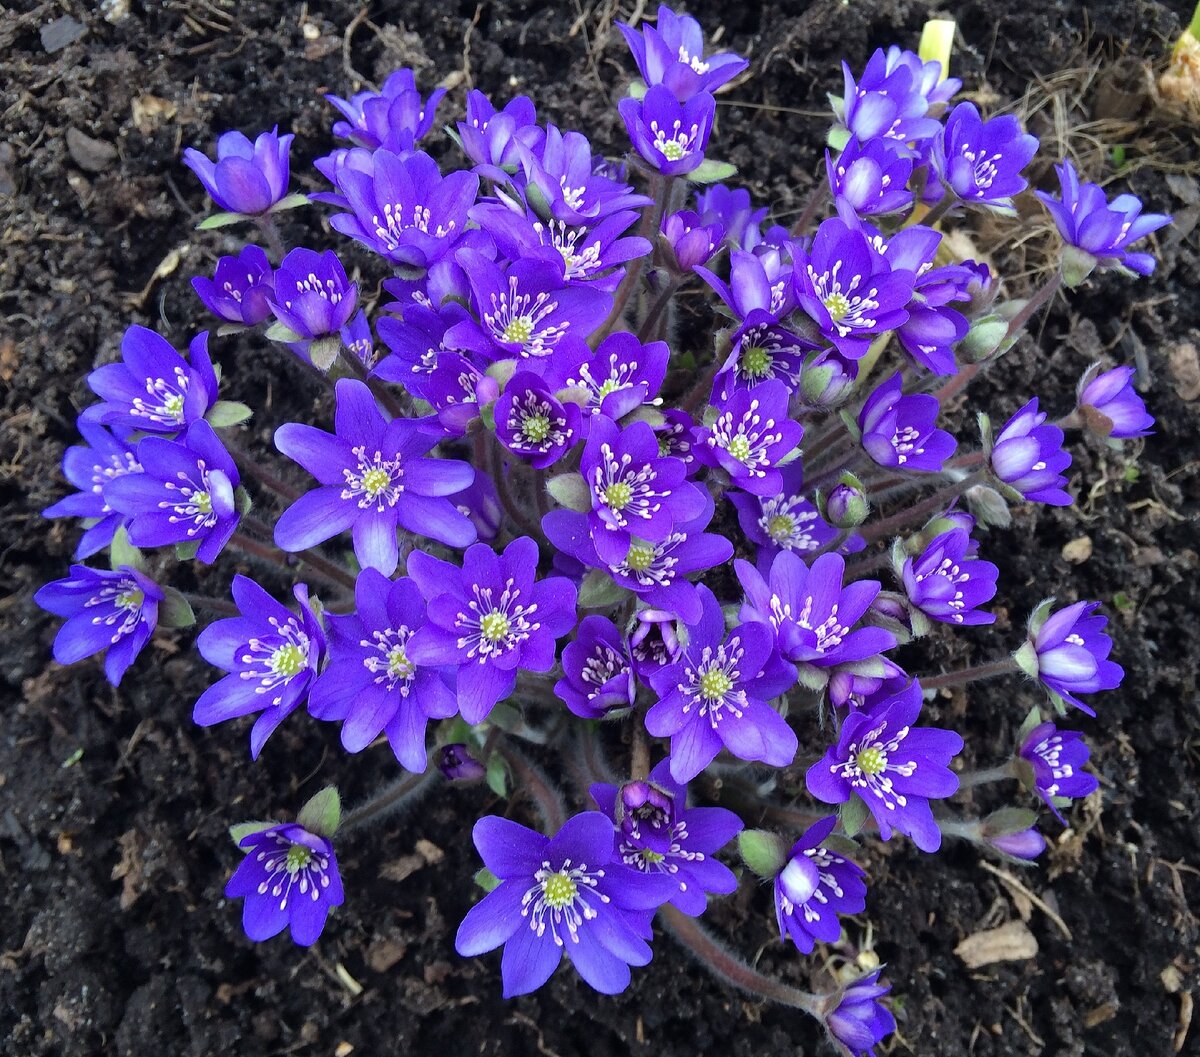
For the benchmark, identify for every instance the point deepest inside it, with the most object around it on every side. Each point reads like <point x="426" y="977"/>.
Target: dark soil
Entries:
<point x="115" y="937"/>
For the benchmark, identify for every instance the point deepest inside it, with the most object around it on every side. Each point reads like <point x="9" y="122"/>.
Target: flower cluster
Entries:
<point x="517" y="508"/>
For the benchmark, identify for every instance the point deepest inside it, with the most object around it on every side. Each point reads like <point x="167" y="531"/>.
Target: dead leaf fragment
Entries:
<point x="1184" y="365"/>
<point x="1078" y="550"/>
<point x="1009" y="943"/>
<point x="383" y="954"/>
<point x="150" y="112"/>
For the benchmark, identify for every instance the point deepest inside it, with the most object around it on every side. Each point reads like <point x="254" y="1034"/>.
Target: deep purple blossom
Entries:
<point x="289" y="877"/>
<point x="871" y="176"/>
<point x="488" y="136"/>
<point x="860" y="1020"/>
<point x="658" y="834"/>
<point x="757" y="281"/>
<point x="373" y="475"/>
<point x="597" y="670"/>
<point x="1111" y="406"/>
<point x="715" y="696"/>
<point x="851" y="292"/>
<point x="948" y="584"/>
<point x="894" y="767"/>
<point x="891" y="99"/>
<point x="1068" y="653"/>
<point x="671" y="53"/>
<point x="733" y="211"/>
<point x="457" y="764"/>
<point x="556" y="894"/>
<point x="241" y="287"/>
<point x="750" y="437"/>
<point x="762" y="351"/>
<point x="489" y="619"/>
<point x="1057" y="758"/>
<point x="115" y="611"/>
<point x="393" y="118"/>
<point x="899" y="431"/>
<point x="153" y="389"/>
<point x="404" y="209"/>
<point x="981" y="161"/>
<point x="90" y="467"/>
<point x="370" y="685"/>
<point x="271" y="654"/>
<point x="313" y="296"/>
<point x="184" y="494"/>
<point x="247" y="178"/>
<point x="786" y="521"/>
<point x="814" y="886"/>
<point x="1103" y="230"/>
<point x="620" y="375"/>
<point x="689" y="239"/>
<point x="670" y="136"/>
<point x="1028" y="456"/>
<point x="532" y="424"/>
<point x="416" y="343"/>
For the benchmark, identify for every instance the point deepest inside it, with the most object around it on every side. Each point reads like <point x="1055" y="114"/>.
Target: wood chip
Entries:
<point x="1009" y="943"/>
<point x="1100" y="1015"/>
<point x="1184" y="365"/>
<point x="1078" y="550"/>
<point x="150" y="112"/>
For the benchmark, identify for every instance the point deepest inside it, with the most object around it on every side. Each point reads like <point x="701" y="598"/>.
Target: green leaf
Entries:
<point x="853" y="814"/>
<point x="711" y="172"/>
<point x="185" y="552"/>
<point x="174" y="611"/>
<point x="323" y="812"/>
<point x="228" y="413"/>
<point x="487" y="880"/>
<point x="278" y="332"/>
<point x="764" y="853"/>
<point x="292" y="201"/>
<point x="599" y="590"/>
<point x="122" y="552"/>
<point x="324" y="351"/>
<point x="1009" y="820"/>
<point x="244" y="503"/>
<point x="242" y="830"/>
<point x="497" y="775"/>
<point x="570" y="490"/>
<point x="220" y="220"/>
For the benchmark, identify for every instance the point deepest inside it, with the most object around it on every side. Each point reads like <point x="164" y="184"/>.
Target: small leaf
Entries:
<point x="599" y="590"/>
<point x="324" y="351"/>
<point x="1008" y="820"/>
<point x="323" y="812"/>
<point x="174" y="611"/>
<point x="244" y="503"/>
<point x="122" y="552"/>
<point x="711" y="172"/>
<point x="292" y="201"/>
<point x="220" y="220"/>
<point x="570" y="490"/>
<point x="278" y="332"/>
<point x="853" y="814"/>
<point x="242" y="830"/>
<point x="487" y="880"/>
<point x="227" y="413"/>
<point x="497" y="775"/>
<point x="185" y="552"/>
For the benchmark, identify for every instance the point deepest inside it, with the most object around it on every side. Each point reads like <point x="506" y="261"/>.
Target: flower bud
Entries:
<point x="983" y="339"/>
<point x="646" y="814"/>
<point x="846" y="506"/>
<point x="766" y="855"/>
<point x="826" y="380"/>
<point x="1027" y="844"/>
<point x="988" y="506"/>
<point x="458" y="765"/>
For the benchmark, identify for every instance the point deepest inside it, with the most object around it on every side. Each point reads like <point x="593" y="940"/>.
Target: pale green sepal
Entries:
<point x="322" y="814"/>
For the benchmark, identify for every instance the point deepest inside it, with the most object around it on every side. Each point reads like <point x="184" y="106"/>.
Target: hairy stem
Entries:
<point x="970" y="779"/>
<point x="404" y="792"/>
<point x="321" y="567"/>
<point x="531" y="780"/>
<point x="928" y="506"/>
<point x="1004" y="666"/>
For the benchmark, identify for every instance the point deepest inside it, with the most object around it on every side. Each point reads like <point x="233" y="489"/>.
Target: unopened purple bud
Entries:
<point x="458" y="765"/>
<point x="1109" y="406"/>
<point x="847" y="505"/>
<point x="1027" y="844"/>
<point x="690" y="240"/>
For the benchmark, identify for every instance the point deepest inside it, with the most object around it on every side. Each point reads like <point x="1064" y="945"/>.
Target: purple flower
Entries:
<point x="981" y="161"/>
<point x="899" y="431"/>
<point x="597" y="670"/>
<point x="860" y="1020"/>
<point x="654" y="642"/>
<point x="416" y="343"/>
<point x="370" y="685"/>
<point x="532" y="424"/>
<point x="812" y="614"/>
<point x="313" y="296"/>
<point x="247" y="178"/>
<point x="787" y="521"/>
<point x="671" y="53"/>
<point x="690" y="240"/>
<point x="891" y="98"/>
<point x="1027" y="844"/>
<point x="271" y="654"/>
<point x="458" y="765"/>
<point x="90" y="467"/>
<point x="289" y="877"/>
<point x="488" y="136"/>
<point x="750" y="436"/>
<point x="894" y="767"/>
<point x="658" y="834"/>
<point x="393" y="118"/>
<point x="732" y="210"/>
<point x="850" y="291"/>
<point x="715" y="696"/>
<point x="947" y="584"/>
<point x="871" y="176"/>
<point x="404" y="209"/>
<point x="489" y="619"/>
<point x="814" y="887"/>
<point x="671" y="136"/>
<point x="184" y="494"/>
<point x="240" y="289"/>
<point x="1111" y="406"/>
<point x="757" y="281"/>
<point x="1057" y="758"/>
<point x="619" y="376"/>
<point x="373" y="476"/>
<point x="1101" y="229"/>
<point x="1028" y="456"/>
<point x="115" y="611"/>
<point x="154" y="389"/>
<point x="480" y="502"/>
<point x="1068" y="653"/>
<point x="762" y="351"/>
<point x="556" y="894"/>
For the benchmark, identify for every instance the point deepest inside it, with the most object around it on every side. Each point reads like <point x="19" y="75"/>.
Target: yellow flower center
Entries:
<point x="652" y="857"/>
<point x="715" y="684"/>
<point x="559" y="890"/>
<point x="781" y="526"/>
<point x="756" y="362"/>
<point x="494" y="626"/>
<point x="518" y="331"/>
<point x="639" y="557"/>
<point x="202" y="501"/>
<point x="672" y="150"/>
<point x="739" y="448"/>
<point x="617" y="495"/>
<point x="288" y="660"/>
<point x="837" y="305"/>
<point x="537" y="428"/>
<point x="399" y="666"/>
<point x="298" y="857"/>
<point x="871" y="761"/>
<point x="375" y="481"/>
<point x="131" y="599"/>
<point x="611" y="385"/>
<point x="173" y="406"/>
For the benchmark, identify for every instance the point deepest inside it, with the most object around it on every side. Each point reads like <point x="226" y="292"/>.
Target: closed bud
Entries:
<point x="846" y="506"/>
<point x="765" y="854"/>
<point x="458" y="765"/>
<point x="988" y="506"/>
<point x="983" y="339"/>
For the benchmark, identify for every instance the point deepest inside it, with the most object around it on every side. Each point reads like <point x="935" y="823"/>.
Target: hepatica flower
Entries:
<point x="597" y="670"/>
<point x="184" y="494"/>
<point x="271" y="654"/>
<point x="154" y="389"/>
<point x="659" y="835"/>
<point x="859" y="1019"/>
<point x="313" y="295"/>
<point x="289" y="878"/>
<point x="871" y="176"/>
<point x="1067" y="652"/>
<point x="247" y="178"/>
<point x="241" y="288"/>
<point x="690" y="240"/>
<point x="619" y="376"/>
<point x="559" y="894"/>
<point x="488" y="619"/>
<point x="489" y="136"/>
<point x="947" y="583"/>
<point x="750" y="436"/>
<point x="671" y="53"/>
<point x="1111" y="406"/>
<point x="1056" y="759"/>
<point x="1028" y="456"/>
<point x="669" y="135"/>
<point x="715" y="696"/>
<point x="899" y="431"/>
<point x="814" y="886"/>
<point x="373" y="476"/>
<point x="370" y="684"/>
<point x="890" y="99"/>
<point x="1103" y="230"/>
<point x="393" y="118"/>
<point x="981" y="161"/>
<point x="115" y="611"/>
<point x="786" y="521"/>
<point x="532" y="424"/>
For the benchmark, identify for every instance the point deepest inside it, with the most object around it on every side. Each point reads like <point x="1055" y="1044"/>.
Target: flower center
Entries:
<point x="610" y="385"/>
<point x="202" y="501"/>
<point x="375" y="481"/>
<point x="298" y="857"/>
<point x="715" y="684"/>
<point x="739" y="448"/>
<point x="673" y="150"/>
<point x="652" y="857"/>
<point x="287" y="661"/>
<point x="537" y="428"/>
<point x="838" y="306"/>
<point x="756" y="362"/>
<point x="131" y="599"/>
<point x="517" y="331"/>
<point x="639" y="557"/>
<point x="173" y="406"/>
<point x="871" y="761"/>
<point x="398" y="664"/>
<point x="558" y="890"/>
<point x="494" y="626"/>
<point x="781" y="527"/>
<point x="617" y="495"/>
